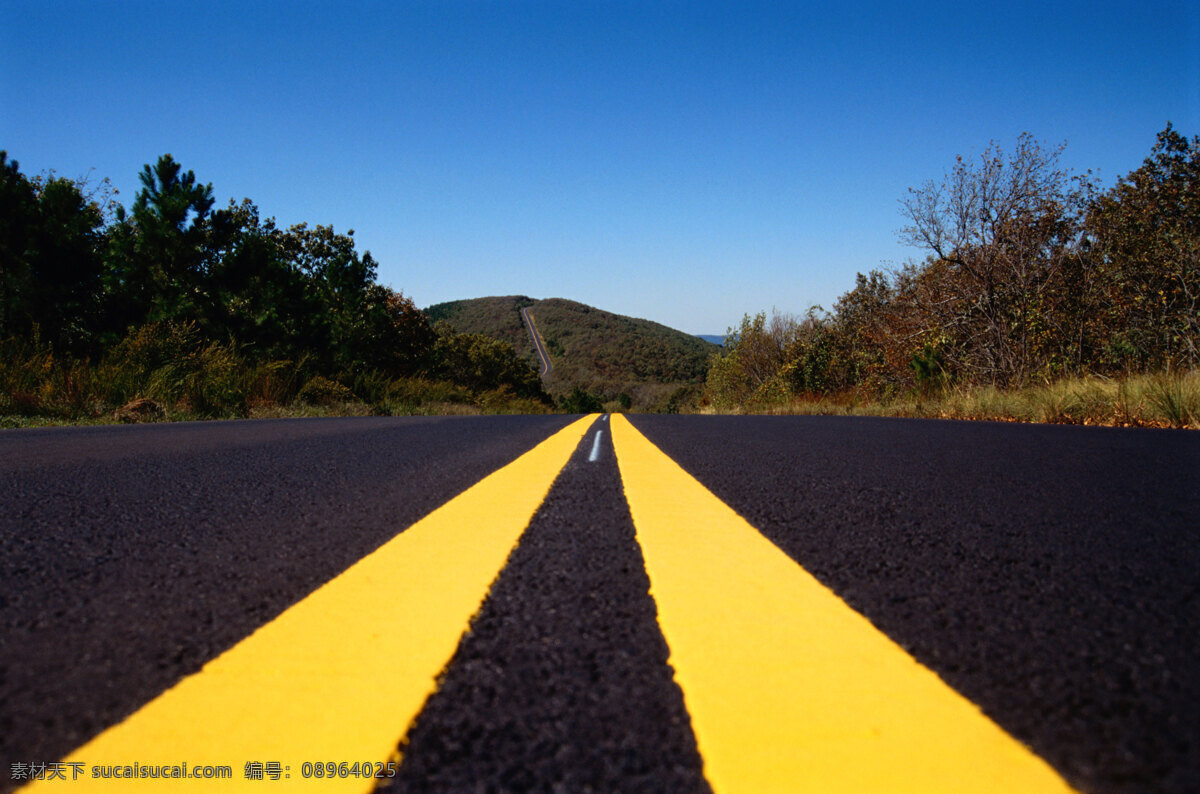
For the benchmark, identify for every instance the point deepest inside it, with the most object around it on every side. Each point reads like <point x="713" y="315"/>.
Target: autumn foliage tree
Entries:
<point x="752" y="357"/>
<point x="999" y="232"/>
<point x="1029" y="273"/>
<point x="1145" y="248"/>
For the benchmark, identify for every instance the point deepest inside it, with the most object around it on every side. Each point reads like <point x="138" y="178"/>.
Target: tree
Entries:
<point x="861" y="331"/>
<point x="156" y="256"/>
<point x="1002" y="230"/>
<point x="481" y="363"/>
<point x="815" y="361"/>
<point x="580" y="401"/>
<point x="252" y="292"/>
<point x="753" y="355"/>
<point x="340" y="282"/>
<point x="18" y="219"/>
<point x="1146" y="244"/>
<point x="400" y="340"/>
<point x="50" y="265"/>
<point x="67" y="267"/>
<point x="170" y="203"/>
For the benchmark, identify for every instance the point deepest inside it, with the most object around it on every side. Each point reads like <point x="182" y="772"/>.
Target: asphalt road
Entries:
<point x="538" y="346"/>
<point x="1049" y="574"/>
<point x="130" y="556"/>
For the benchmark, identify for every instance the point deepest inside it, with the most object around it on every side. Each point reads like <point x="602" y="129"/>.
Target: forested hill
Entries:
<point x="601" y="353"/>
<point x="499" y="318"/>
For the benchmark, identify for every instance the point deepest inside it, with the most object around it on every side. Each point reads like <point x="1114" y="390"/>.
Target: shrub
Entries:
<point x="581" y="402"/>
<point x="320" y="390"/>
<point x="932" y="375"/>
<point x="275" y="382"/>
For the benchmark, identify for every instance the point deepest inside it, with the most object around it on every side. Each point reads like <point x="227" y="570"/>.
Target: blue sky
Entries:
<point x="687" y="162"/>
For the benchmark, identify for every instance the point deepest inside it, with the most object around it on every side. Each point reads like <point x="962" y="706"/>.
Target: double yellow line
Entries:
<point x="787" y="687"/>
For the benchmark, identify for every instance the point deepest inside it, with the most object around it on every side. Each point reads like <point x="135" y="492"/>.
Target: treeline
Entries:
<point x="158" y="293"/>
<point x="1031" y="274"/>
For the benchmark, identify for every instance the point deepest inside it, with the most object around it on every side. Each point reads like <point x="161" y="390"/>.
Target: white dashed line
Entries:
<point x="595" y="448"/>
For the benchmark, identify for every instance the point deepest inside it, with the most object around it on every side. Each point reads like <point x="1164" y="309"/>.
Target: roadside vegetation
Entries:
<point x="173" y="309"/>
<point x="1040" y="298"/>
<point x="1160" y="400"/>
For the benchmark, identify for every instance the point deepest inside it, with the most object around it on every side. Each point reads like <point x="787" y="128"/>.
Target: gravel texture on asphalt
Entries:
<point x="131" y="556"/>
<point x="1051" y="574"/>
<point x="562" y="684"/>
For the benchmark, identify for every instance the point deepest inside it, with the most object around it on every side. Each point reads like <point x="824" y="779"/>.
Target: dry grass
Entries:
<point x="1157" y="400"/>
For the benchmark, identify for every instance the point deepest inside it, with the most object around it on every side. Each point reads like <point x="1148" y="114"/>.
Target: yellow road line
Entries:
<point x="788" y="688"/>
<point x="341" y="674"/>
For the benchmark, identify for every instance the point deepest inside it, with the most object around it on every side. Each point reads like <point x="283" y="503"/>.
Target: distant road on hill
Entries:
<point x="538" y="345"/>
<point x="608" y="355"/>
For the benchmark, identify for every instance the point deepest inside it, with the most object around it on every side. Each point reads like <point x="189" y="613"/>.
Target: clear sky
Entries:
<point x="686" y="162"/>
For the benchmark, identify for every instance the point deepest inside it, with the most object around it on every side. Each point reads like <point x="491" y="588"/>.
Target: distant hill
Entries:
<point x="716" y="339"/>
<point x="603" y="353"/>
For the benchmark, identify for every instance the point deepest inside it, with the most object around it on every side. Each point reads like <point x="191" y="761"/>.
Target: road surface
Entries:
<point x="714" y="603"/>
<point x="538" y="345"/>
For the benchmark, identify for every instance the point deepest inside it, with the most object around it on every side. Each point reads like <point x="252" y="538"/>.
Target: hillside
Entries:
<point x="603" y="353"/>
